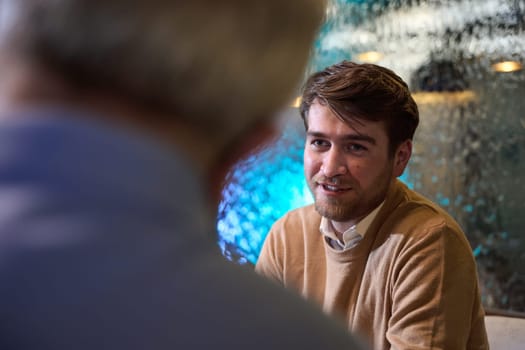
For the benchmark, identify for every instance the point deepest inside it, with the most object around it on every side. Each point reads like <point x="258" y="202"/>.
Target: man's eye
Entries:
<point x="319" y="143"/>
<point x="355" y="147"/>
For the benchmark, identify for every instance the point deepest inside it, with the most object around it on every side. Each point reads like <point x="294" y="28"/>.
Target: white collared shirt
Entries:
<point x="352" y="236"/>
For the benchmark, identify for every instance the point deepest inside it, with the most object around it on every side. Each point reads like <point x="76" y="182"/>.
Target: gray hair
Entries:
<point x="215" y="63"/>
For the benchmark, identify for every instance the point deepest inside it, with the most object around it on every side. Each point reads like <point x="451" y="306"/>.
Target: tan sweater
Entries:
<point x="411" y="283"/>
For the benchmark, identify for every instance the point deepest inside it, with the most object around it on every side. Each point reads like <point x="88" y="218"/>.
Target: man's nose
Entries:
<point x="333" y="164"/>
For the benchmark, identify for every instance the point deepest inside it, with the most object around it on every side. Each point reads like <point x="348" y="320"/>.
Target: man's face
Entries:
<point x="348" y="168"/>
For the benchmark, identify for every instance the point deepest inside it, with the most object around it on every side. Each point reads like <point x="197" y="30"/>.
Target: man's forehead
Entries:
<point x="321" y="113"/>
<point x="344" y="129"/>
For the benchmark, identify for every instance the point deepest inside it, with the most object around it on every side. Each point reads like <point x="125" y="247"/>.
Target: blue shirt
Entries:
<point x="107" y="241"/>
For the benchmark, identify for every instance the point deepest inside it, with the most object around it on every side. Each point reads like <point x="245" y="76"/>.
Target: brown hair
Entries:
<point x="364" y="92"/>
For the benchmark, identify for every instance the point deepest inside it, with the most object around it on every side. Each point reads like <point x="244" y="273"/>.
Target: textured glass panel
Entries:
<point x="469" y="150"/>
<point x="262" y="188"/>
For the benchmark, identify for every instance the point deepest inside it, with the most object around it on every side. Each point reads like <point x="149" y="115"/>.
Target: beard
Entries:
<point x="352" y="206"/>
<point x="336" y="210"/>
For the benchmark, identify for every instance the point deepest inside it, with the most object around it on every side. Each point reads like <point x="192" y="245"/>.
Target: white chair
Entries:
<point x="505" y="333"/>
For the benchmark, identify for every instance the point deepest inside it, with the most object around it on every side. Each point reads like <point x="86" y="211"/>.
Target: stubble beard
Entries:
<point x="346" y="209"/>
<point x="336" y="210"/>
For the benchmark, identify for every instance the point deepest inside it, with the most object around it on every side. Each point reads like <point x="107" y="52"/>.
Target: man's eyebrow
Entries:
<point x="350" y="137"/>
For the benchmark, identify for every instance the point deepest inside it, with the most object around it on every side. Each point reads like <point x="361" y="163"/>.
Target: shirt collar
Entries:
<point x="353" y="233"/>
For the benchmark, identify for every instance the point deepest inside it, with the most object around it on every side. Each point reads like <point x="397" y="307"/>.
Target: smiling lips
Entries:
<point x="330" y="187"/>
<point x="333" y="188"/>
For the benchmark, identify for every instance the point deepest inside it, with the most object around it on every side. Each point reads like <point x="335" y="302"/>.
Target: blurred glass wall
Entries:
<point x="463" y="60"/>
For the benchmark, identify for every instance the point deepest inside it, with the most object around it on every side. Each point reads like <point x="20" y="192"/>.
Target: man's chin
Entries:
<point x="335" y="213"/>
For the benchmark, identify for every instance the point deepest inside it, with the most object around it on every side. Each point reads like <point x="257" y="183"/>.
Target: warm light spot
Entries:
<point x="370" y="56"/>
<point x="507" y="66"/>
<point x="296" y="102"/>
<point x="454" y="97"/>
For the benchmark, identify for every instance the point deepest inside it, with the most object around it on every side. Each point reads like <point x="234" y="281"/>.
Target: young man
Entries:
<point x="117" y="119"/>
<point x="393" y="265"/>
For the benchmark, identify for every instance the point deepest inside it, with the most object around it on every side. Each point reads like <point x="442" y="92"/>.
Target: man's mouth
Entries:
<point x="332" y="188"/>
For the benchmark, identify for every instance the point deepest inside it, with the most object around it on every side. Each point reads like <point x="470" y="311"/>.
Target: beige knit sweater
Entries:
<point x="411" y="283"/>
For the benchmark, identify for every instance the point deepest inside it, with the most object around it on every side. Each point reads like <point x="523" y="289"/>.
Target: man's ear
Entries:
<point x="401" y="157"/>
